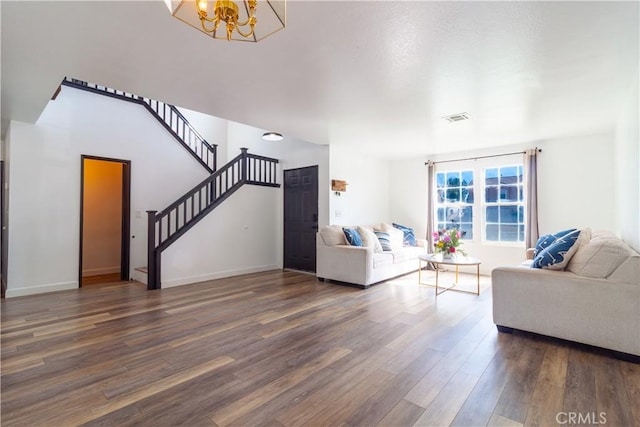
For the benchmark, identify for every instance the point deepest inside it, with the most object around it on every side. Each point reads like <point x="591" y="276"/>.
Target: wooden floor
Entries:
<point x="281" y="349"/>
<point x="100" y="279"/>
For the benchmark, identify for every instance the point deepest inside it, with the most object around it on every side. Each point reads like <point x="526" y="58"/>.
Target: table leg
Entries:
<point x="419" y="271"/>
<point x="457" y="274"/>
<point x="437" y="280"/>
<point x="478" y="278"/>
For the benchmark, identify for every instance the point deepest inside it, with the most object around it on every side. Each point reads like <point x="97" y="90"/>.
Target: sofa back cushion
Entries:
<point x="600" y="257"/>
<point x="333" y="235"/>
<point x="396" y="237"/>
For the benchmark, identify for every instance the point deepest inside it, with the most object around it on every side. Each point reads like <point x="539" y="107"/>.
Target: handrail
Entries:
<point x="173" y="121"/>
<point x="168" y="225"/>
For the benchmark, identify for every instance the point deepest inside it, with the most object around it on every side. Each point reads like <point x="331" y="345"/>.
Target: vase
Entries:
<point x="447" y="257"/>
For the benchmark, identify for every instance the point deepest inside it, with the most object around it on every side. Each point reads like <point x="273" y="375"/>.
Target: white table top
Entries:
<point x="456" y="260"/>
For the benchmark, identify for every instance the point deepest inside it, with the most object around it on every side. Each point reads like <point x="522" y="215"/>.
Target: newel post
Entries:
<point x="151" y="251"/>
<point x="245" y="161"/>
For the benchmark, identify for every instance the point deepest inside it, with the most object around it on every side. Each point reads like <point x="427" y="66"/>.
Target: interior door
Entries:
<point x="300" y="218"/>
<point x="104" y="220"/>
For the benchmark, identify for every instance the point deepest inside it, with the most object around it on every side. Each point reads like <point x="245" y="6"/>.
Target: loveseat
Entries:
<point x="595" y="300"/>
<point x="363" y="265"/>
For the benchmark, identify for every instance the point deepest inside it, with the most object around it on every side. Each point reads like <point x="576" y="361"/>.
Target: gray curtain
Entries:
<point x="531" y="183"/>
<point x="431" y="195"/>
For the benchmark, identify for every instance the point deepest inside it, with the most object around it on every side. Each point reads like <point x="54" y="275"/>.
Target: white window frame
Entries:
<point x="520" y="204"/>
<point x="448" y="205"/>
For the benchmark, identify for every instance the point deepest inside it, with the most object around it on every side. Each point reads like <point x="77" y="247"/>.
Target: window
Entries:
<point x="454" y="204"/>
<point x="504" y="204"/>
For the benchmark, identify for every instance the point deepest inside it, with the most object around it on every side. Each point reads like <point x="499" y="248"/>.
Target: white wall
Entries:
<point x="366" y="200"/>
<point x="46" y="177"/>
<point x="237" y="237"/>
<point x="245" y="233"/>
<point x="212" y="129"/>
<point x="292" y="153"/>
<point x="44" y="201"/>
<point x="575" y="189"/>
<point x="628" y="169"/>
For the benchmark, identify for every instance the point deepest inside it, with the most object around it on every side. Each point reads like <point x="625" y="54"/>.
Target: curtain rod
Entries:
<point x="539" y="150"/>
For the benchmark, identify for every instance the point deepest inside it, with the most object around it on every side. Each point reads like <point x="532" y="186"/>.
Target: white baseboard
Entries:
<point x="99" y="271"/>
<point x="217" y="275"/>
<point x="40" y="289"/>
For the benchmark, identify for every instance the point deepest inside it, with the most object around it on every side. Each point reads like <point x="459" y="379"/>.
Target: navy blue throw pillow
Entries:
<point x="548" y="239"/>
<point x="409" y="235"/>
<point x="556" y="256"/>
<point x="352" y="236"/>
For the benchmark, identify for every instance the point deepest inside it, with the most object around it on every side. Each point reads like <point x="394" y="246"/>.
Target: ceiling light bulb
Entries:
<point x="272" y="136"/>
<point x="202" y="5"/>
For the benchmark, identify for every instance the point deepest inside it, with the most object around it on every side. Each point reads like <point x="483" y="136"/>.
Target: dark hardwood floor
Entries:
<point x="281" y="349"/>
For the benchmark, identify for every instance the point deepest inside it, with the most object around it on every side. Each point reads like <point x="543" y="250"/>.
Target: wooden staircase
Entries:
<point x="168" y="116"/>
<point x="166" y="226"/>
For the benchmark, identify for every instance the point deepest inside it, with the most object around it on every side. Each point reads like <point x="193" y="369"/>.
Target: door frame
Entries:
<point x="284" y="205"/>
<point x="125" y="246"/>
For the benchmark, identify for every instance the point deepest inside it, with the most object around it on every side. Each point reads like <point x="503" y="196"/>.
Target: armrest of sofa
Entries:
<point x="351" y="264"/>
<point x="423" y="243"/>
<point x="530" y="253"/>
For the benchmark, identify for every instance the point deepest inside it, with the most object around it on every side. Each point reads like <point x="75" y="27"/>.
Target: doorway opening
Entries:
<point x="104" y="220"/>
<point x="300" y="218"/>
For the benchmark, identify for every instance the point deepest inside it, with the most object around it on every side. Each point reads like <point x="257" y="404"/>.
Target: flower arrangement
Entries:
<point x="446" y="242"/>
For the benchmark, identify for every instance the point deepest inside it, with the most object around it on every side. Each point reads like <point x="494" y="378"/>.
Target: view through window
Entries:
<point x="498" y="212"/>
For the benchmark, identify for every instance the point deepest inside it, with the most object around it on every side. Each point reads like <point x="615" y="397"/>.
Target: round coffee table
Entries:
<point x="457" y="261"/>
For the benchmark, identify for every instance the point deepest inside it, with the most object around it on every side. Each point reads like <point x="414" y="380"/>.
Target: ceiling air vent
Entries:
<point x="456" y="117"/>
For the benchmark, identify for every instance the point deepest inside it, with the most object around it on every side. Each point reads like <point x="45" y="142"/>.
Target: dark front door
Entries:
<point x="300" y="218"/>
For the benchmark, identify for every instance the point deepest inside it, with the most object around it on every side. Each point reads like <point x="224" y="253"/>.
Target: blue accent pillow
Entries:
<point x="409" y="236"/>
<point x="557" y="255"/>
<point x="384" y="240"/>
<point x="352" y="236"/>
<point x="548" y="239"/>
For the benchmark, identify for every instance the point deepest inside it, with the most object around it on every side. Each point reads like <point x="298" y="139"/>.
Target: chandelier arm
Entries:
<point x="250" y="13"/>
<point x="249" y="34"/>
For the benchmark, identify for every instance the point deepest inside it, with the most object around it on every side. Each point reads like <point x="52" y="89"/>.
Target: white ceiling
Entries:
<point x="377" y="76"/>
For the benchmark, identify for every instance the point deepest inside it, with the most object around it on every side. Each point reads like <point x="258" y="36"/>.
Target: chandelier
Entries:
<point x="245" y="20"/>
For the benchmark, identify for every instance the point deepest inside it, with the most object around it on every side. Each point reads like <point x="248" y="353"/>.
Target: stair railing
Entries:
<point x="168" y="225"/>
<point x="168" y="115"/>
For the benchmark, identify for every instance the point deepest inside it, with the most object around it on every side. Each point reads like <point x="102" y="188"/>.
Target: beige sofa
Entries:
<point x="595" y="301"/>
<point x="362" y="266"/>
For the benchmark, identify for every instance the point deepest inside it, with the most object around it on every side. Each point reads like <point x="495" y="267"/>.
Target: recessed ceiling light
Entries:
<point x="456" y="117"/>
<point x="272" y="136"/>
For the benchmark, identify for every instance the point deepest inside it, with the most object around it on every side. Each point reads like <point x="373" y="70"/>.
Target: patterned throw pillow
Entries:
<point x="352" y="236"/>
<point x="409" y="235"/>
<point x="383" y="237"/>
<point x="557" y="255"/>
<point x="548" y="239"/>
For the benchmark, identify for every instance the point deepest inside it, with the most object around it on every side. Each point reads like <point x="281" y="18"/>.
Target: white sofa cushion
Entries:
<point x="382" y="259"/>
<point x="600" y="257"/>
<point x="396" y="237"/>
<point x="333" y="235"/>
<point x="369" y="239"/>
